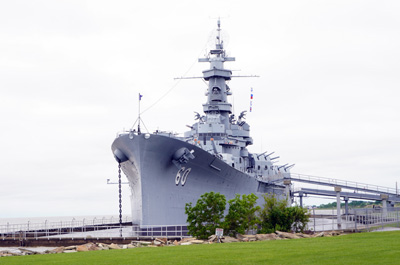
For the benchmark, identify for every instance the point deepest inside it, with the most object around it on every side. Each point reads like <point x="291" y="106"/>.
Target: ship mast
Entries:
<point x="217" y="76"/>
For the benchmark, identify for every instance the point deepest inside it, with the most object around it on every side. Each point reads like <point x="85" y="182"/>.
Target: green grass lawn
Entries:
<point x="363" y="248"/>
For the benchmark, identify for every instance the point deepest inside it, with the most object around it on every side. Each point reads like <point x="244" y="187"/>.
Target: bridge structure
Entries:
<point x="343" y="189"/>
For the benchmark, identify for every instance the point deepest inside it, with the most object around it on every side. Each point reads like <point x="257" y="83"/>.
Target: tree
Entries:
<point x="242" y="214"/>
<point x="298" y="218"/>
<point x="206" y="215"/>
<point x="275" y="215"/>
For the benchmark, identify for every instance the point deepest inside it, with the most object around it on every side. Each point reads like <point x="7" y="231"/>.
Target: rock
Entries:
<point x="25" y="251"/>
<point x="250" y="237"/>
<point x="70" y="248"/>
<point x="124" y="246"/>
<point x="102" y="246"/>
<point x="264" y="237"/>
<point x="157" y="243"/>
<point x="58" y="250"/>
<point x="319" y="234"/>
<point x="188" y="239"/>
<point x="69" y="251"/>
<point x="13" y="252"/>
<point x="92" y="246"/>
<point x="286" y="235"/>
<point x="162" y="240"/>
<point x="240" y="236"/>
<point x="186" y="243"/>
<point x="212" y="238"/>
<point x="141" y="243"/>
<point x="130" y="246"/>
<point x="229" y="239"/>
<point x="114" y="246"/>
<point x="82" y="248"/>
<point x="246" y="238"/>
<point x="303" y="235"/>
<point x="197" y="242"/>
<point x="176" y="243"/>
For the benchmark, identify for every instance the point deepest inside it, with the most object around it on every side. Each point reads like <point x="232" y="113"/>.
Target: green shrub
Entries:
<point x="242" y="214"/>
<point x="206" y="215"/>
<point x="275" y="215"/>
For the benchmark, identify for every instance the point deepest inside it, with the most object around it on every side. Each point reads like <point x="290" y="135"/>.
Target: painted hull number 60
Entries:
<point x="182" y="175"/>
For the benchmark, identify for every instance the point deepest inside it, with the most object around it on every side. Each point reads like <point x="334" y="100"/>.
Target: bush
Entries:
<point x="275" y="215"/>
<point x="242" y="214"/>
<point x="206" y="215"/>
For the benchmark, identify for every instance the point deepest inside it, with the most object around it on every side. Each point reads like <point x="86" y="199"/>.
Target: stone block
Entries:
<point x="229" y="239"/>
<point x="114" y="246"/>
<point x="82" y="248"/>
<point x="58" y="250"/>
<point x="286" y="235"/>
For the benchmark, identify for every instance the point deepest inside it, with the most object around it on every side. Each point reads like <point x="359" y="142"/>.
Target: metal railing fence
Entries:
<point x="356" y="220"/>
<point x="97" y="228"/>
<point x="53" y="225"/>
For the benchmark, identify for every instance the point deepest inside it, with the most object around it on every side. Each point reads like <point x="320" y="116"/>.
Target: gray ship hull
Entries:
<point x="158" y="196"/>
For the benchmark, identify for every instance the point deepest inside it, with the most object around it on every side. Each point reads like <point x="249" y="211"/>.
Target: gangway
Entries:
<point x="359" y="191"/>
<point x="351" y="185"/>
<point x="347" y="195"/>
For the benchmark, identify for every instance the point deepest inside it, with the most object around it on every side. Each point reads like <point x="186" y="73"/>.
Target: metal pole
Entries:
<point x="314" y="218"/>
<point x="120" y="199"/>
<point x="139" y="114"/>
<point x="355" y="220"/>
<point x="338" y="212"/>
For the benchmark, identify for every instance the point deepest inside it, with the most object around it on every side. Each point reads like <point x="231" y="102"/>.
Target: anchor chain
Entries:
<point x="120" y="199"/>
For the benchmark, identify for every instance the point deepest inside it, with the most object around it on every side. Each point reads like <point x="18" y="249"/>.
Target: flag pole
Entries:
<point x="140" y="96"/>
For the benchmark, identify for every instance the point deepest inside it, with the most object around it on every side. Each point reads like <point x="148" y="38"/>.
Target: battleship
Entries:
<point x="165" y="171"/>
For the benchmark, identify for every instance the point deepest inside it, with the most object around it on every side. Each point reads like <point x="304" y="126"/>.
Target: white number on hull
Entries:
<point x="182" y="175"/>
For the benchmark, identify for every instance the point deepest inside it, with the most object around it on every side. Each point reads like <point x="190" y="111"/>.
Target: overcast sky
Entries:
<point x="70" y="73"/>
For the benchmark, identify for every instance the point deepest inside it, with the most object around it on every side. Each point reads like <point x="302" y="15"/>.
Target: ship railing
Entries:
<point x="152" y="231"/>
<point x="343" y="184"/>
<point x="71" y="225"/>
<point x="103" y="231"/>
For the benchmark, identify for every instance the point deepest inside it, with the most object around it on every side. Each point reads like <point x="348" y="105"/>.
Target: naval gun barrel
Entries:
<point x="292" y="165"/>
<point x="269" y="155"/>
<point x="213" y="145"/>
<point x="258" y="156"/>
<point x="282" y="166"/>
